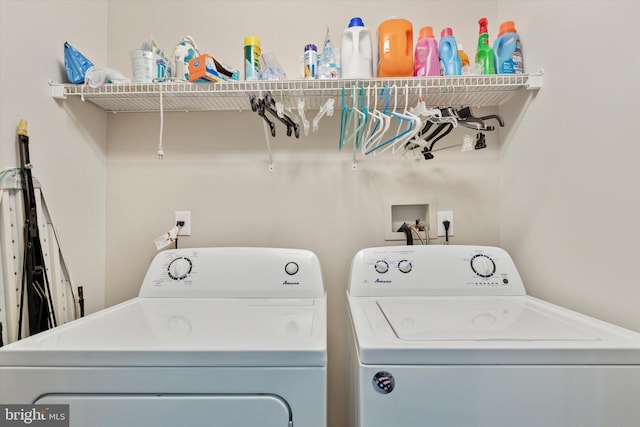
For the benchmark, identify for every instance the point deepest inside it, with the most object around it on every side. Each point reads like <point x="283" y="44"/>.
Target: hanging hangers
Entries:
<point x="401" y="118"/>
<point x="270" y="106"/>
<point x="383" y="123"/>
<point x="267" y="104"/>
<point x="327" y="108"/>
<point x="360" y="123"/>
<point x="305" y="122"/>
<point x="258" y="105"/>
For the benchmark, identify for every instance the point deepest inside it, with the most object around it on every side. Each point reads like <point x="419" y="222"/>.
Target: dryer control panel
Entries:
<point x="434" y="270"/>
<point x="234" y="272"/>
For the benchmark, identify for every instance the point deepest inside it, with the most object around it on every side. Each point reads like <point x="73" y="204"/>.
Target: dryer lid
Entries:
<point x="184" y="332"/>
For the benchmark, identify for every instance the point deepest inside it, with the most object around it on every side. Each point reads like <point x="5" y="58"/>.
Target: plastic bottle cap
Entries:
<point x="356" y="22"/>
<point x="310" y="47"/>
<point x="251" y="41"/>
<point x="507" y="27"/>
<point x="446" y="32"/>
<point x="426" y="32"/>
<point x="483" y="26"/>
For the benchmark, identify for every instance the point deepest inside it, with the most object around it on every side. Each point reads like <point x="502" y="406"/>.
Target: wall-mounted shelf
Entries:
<point x="476" y="91"/>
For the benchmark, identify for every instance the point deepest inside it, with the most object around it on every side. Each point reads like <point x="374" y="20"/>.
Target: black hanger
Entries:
<point x="467" y="119"/>
<point x="257" y="105"/>
<point x="286" y="120"/>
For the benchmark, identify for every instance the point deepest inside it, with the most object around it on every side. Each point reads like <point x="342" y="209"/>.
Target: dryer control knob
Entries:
<point x="405" y="266"/>
<point x="179" y="268"/>
<point x="483" y="265"/>
<point x="381" y="266"/>
<point x="291" y="268"/>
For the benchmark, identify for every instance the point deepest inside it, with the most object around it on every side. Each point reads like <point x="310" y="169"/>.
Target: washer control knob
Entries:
<point x="291" y="268"/>
<point x="483" y="265"/>
<point x="179" y="268"/>
<point x="405" y="266"/>
<point x="381" y="266"/>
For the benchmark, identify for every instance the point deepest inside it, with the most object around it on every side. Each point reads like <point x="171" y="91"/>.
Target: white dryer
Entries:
<point x="225" y="337"/>
<point x="446" y="336"/>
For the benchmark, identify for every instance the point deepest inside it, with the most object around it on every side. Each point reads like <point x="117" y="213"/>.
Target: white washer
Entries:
<point x="446" y="336"/>
<point x="217" y="336"/>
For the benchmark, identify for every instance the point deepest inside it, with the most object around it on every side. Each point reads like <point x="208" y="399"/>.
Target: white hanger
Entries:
<point x="305" y="122"/>
<point x="327" y="108"/>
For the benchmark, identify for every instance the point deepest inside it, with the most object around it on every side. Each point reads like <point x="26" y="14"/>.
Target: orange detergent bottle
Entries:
<point x="395" y="48"/>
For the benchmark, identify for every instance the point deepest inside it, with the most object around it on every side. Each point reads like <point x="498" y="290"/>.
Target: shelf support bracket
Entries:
<point x="57" y="90"/>
<point x="535" y="80"/>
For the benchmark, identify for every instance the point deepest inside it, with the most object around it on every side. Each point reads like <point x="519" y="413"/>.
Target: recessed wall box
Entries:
<point x="401" y="210"/>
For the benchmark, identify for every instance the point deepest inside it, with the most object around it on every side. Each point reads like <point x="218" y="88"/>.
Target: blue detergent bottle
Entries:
<point x="450" y="64"/>
<point x="507" y="50"/>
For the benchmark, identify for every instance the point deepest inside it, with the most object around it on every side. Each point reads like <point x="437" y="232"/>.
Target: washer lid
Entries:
<point x="484" y="330"/>
<point x="184" y="332"/>
<point x="476" y="320"/>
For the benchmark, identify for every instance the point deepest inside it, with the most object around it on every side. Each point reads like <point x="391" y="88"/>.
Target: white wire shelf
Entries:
<point x="475" y="91"/>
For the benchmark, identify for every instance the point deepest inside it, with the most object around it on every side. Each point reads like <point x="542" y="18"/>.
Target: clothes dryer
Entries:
<point x="217" y="336"/>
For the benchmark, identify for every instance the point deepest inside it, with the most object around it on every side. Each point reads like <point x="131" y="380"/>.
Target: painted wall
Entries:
<point x="569" y="168"/>
<point x="67" y="139"/>
<point x="542" y="189"/>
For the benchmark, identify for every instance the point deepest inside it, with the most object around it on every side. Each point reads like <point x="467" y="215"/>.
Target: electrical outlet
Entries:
<point x="186" y="217"/>
<point x="442" y="216"/>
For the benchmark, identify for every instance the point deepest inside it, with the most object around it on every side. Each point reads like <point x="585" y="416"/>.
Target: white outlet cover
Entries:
<point x="186" y="217"/>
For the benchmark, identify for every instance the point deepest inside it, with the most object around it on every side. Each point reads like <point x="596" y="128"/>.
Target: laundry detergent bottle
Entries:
<point x="395" y="48"/>
<point x="426" y="59"/>
<point x="450" y="64"/>
<point x="507" y="50"/>
<point x="485" y="60"/>
<point x="356" y="59"/>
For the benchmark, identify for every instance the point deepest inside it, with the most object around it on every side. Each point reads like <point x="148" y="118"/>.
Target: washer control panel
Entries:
<point x="434" y="270"/>
<point x="234" y="272"/>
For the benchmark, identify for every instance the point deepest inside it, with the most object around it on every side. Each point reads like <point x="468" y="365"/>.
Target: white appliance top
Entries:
<point x="268" y="313"/>
<point x="467" y="305"/>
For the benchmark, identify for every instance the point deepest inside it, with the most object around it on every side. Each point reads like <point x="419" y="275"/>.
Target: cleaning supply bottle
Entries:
<point x="251" y="58"/>
<point x="395" y="48"/>
<point x="426" y="60"/>
<point x="328" y="66"/>
<point x="507" y="50"/>
<point x="356" y="58"/>
<point x="310" y="61"/>
<point x="484" y="54"/>
<point x="464" y="59"/>
<point x="450" y="63"/>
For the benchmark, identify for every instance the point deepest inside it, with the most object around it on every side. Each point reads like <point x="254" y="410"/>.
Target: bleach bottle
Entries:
<point x="427" y="60"/>
<point x="356" y="58"/>
<point x="507" y="50"/>
<point x="450" y="63"/>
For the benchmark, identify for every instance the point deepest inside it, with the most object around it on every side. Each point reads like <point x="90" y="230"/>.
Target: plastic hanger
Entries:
<point x="360" y="123"/>
<point x="383" y="122"/>
<point x="292" y="127"/>
<point x="327" y="108"/>
<point x="258" y="106"/>
<point x="401" y="118"/>
<point x="301" y="113"/>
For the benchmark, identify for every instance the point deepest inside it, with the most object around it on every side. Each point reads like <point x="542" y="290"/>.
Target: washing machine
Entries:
<point x="447" y="336"/>
<point x="223" y="337"/>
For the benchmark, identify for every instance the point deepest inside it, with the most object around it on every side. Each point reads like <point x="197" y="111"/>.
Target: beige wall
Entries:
<point x="569" y="196"/>
<point x="67" y="139"/>
<point x="543" y="189"/>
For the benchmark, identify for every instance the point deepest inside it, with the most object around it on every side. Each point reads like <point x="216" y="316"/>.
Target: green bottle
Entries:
<point x="484" y="54"/>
